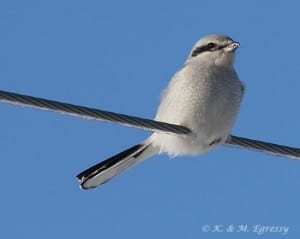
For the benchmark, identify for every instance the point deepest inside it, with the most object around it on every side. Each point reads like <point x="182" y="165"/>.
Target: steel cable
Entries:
<point x="142" y="123"/>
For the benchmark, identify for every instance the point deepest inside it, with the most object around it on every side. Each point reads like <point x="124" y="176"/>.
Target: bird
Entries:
<point x="204" y="95"/>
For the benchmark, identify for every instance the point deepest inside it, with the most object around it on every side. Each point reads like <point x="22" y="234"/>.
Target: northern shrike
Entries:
<point x="204" y="96"/>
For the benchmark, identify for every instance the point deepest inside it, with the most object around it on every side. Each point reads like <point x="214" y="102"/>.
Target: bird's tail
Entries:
<point x="111" y="167"/>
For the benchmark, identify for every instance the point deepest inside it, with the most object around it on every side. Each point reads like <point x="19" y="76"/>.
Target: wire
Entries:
<point x="265" y="147"/>
<point x="90" y="113"/>
<point x="146" y="124"/>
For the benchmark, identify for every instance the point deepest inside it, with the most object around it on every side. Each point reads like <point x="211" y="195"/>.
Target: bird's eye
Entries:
<point x="211" y="45"/>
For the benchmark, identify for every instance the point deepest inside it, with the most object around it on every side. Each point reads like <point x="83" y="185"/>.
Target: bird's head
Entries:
<point x="215" y="48"/>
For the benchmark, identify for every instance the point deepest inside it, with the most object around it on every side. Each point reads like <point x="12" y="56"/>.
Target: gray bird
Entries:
<point x="204" y="96"/>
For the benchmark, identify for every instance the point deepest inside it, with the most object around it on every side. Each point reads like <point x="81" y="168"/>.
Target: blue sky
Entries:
<point x="118" y="56"/>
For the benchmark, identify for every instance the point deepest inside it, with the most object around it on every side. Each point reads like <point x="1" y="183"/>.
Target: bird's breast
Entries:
<point x="205" y="101"/>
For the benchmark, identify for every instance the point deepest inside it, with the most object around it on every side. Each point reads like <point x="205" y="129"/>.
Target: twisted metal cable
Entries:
<point x="262" y="146"/>
<point x="90" y="113"/>
<point x="146" y="124"/>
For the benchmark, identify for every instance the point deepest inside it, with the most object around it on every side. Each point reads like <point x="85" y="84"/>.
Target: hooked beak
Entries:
<point x="232" y="47"/>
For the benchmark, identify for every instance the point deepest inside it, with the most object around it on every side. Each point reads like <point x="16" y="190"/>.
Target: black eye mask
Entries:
<point x="208" y="47"/>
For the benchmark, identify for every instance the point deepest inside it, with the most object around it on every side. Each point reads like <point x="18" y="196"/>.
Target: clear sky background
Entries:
<point x="118" y="56"/>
